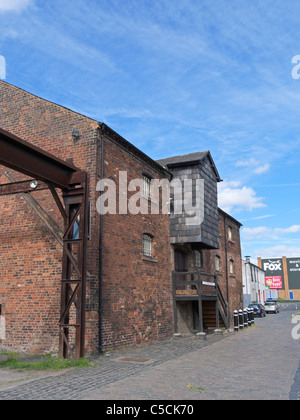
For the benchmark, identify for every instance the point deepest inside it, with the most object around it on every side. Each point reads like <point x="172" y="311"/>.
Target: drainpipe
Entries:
<point x="226" y="262"/>
<point x="101" y="249"/>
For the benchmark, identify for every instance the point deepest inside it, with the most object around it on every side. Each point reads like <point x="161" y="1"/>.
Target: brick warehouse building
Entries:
<point x="135" y="294"/>
<point x="129" y="291"/>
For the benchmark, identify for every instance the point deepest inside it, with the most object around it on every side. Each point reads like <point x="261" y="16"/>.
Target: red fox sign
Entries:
<point x="274" y="273"/>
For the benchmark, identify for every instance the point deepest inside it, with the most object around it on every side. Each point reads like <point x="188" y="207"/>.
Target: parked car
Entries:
<point x="272" y="307"/>
<point x="259" y="309"/>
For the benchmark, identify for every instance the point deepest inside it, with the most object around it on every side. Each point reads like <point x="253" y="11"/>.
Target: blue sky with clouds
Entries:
<point x="175" y="78"/>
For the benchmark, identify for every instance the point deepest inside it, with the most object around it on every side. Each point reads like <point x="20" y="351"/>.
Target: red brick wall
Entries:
<point x="30" y="263"/>
<point x="137" y="292"/>
<point x="137" y="298"/>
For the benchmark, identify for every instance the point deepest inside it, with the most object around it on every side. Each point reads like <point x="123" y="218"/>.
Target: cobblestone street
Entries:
<point x="260" y="362"/>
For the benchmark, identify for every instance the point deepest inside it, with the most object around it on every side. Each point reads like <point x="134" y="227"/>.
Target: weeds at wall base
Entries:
<point x="45" y="363"/>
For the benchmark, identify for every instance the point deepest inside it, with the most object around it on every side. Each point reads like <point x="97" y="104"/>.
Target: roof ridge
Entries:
<point x="47" y="100"/>
<point x="190" y="158"/>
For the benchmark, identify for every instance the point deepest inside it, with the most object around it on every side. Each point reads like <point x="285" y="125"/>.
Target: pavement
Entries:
<point x="258" y="363"/>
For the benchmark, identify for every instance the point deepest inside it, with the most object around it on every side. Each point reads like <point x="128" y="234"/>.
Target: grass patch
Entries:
<point x="9" y="354"/>
<point x="195" y="388"/>
<point x="46" y="363"/>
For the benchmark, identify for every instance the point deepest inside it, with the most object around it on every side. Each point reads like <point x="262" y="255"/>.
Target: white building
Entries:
<point x="254" y="286"/>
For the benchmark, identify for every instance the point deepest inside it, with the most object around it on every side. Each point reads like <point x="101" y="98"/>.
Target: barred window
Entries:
<point x="147" y="246"/>
<point x="198" y="259"/>
<point x="146" y="186"/>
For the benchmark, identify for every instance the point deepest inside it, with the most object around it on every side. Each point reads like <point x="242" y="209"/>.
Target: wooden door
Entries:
<point x="180" y="266"/>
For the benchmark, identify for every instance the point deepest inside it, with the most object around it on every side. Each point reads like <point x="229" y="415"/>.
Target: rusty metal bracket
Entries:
<point x="73" y="291"/>
<point x="52" y="173"/>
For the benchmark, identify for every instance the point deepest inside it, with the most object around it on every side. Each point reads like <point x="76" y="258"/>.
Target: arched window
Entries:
<point x="229" y="234"/>
<point x="147" y="245"/>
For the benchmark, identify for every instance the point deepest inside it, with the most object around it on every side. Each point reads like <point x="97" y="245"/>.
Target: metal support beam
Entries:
<point x="58" y="202"/>
<point x="30" y="160"/>
<point x="51" y="172"/>
<point x="21" y="187"/>
<point x="24" y="189"/>
<point x="73" y="289"/>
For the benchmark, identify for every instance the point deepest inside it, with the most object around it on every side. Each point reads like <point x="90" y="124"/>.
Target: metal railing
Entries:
<point x="191" y="284"/>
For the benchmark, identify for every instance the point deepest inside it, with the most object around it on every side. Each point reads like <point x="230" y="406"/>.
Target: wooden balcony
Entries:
<point x="191" y="285"/>
<point x="199" y="287"/>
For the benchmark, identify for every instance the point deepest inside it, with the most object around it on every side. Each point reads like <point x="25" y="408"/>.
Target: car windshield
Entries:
<point x="270" y="303"/>
<point x="253" y="305"/>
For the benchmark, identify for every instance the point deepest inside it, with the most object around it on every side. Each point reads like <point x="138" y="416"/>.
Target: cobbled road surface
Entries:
<point x="258" y="363"/>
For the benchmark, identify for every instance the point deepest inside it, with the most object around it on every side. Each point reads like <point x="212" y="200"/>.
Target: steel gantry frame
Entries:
<point x="49" y="172"/>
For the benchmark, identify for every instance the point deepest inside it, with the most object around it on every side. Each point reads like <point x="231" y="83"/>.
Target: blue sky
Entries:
<point x="175" y="78"/>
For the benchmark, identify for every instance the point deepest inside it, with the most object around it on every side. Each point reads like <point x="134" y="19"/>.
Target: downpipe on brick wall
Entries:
<point x="101" y="249"/>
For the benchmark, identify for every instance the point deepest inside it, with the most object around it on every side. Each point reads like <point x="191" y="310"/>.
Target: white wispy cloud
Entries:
<point x="234" y="196"/>
<point x="264" y="216"/>
<point x="246" y="163"/>
<point x="254" y="165"/>
<point x="262" y="169"/>
<point x="277" y="251"/>
<point x="292" y="229"/>
<point x="269" y="233"/>
<point x="14" y="5"/>
<point x="256" y="232"/>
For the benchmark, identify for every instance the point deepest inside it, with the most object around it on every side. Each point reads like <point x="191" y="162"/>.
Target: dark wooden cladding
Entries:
<point x="205" y="234"/>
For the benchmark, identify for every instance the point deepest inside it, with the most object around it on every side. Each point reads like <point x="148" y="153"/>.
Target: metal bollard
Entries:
<point x="241" y="321"/>
<point x="252" y="316"/>
<point x="245" y="318"/>
<point x="249" y="317"/>
<point x="236" y="321"/>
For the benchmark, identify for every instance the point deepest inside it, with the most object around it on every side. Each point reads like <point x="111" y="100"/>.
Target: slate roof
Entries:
<point x="191" y="158"/>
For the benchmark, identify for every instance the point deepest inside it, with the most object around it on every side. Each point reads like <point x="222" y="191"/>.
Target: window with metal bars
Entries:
<point x="146" y="187"/>
<point x="147" y="246"/>
<point x="198" y="259"/>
